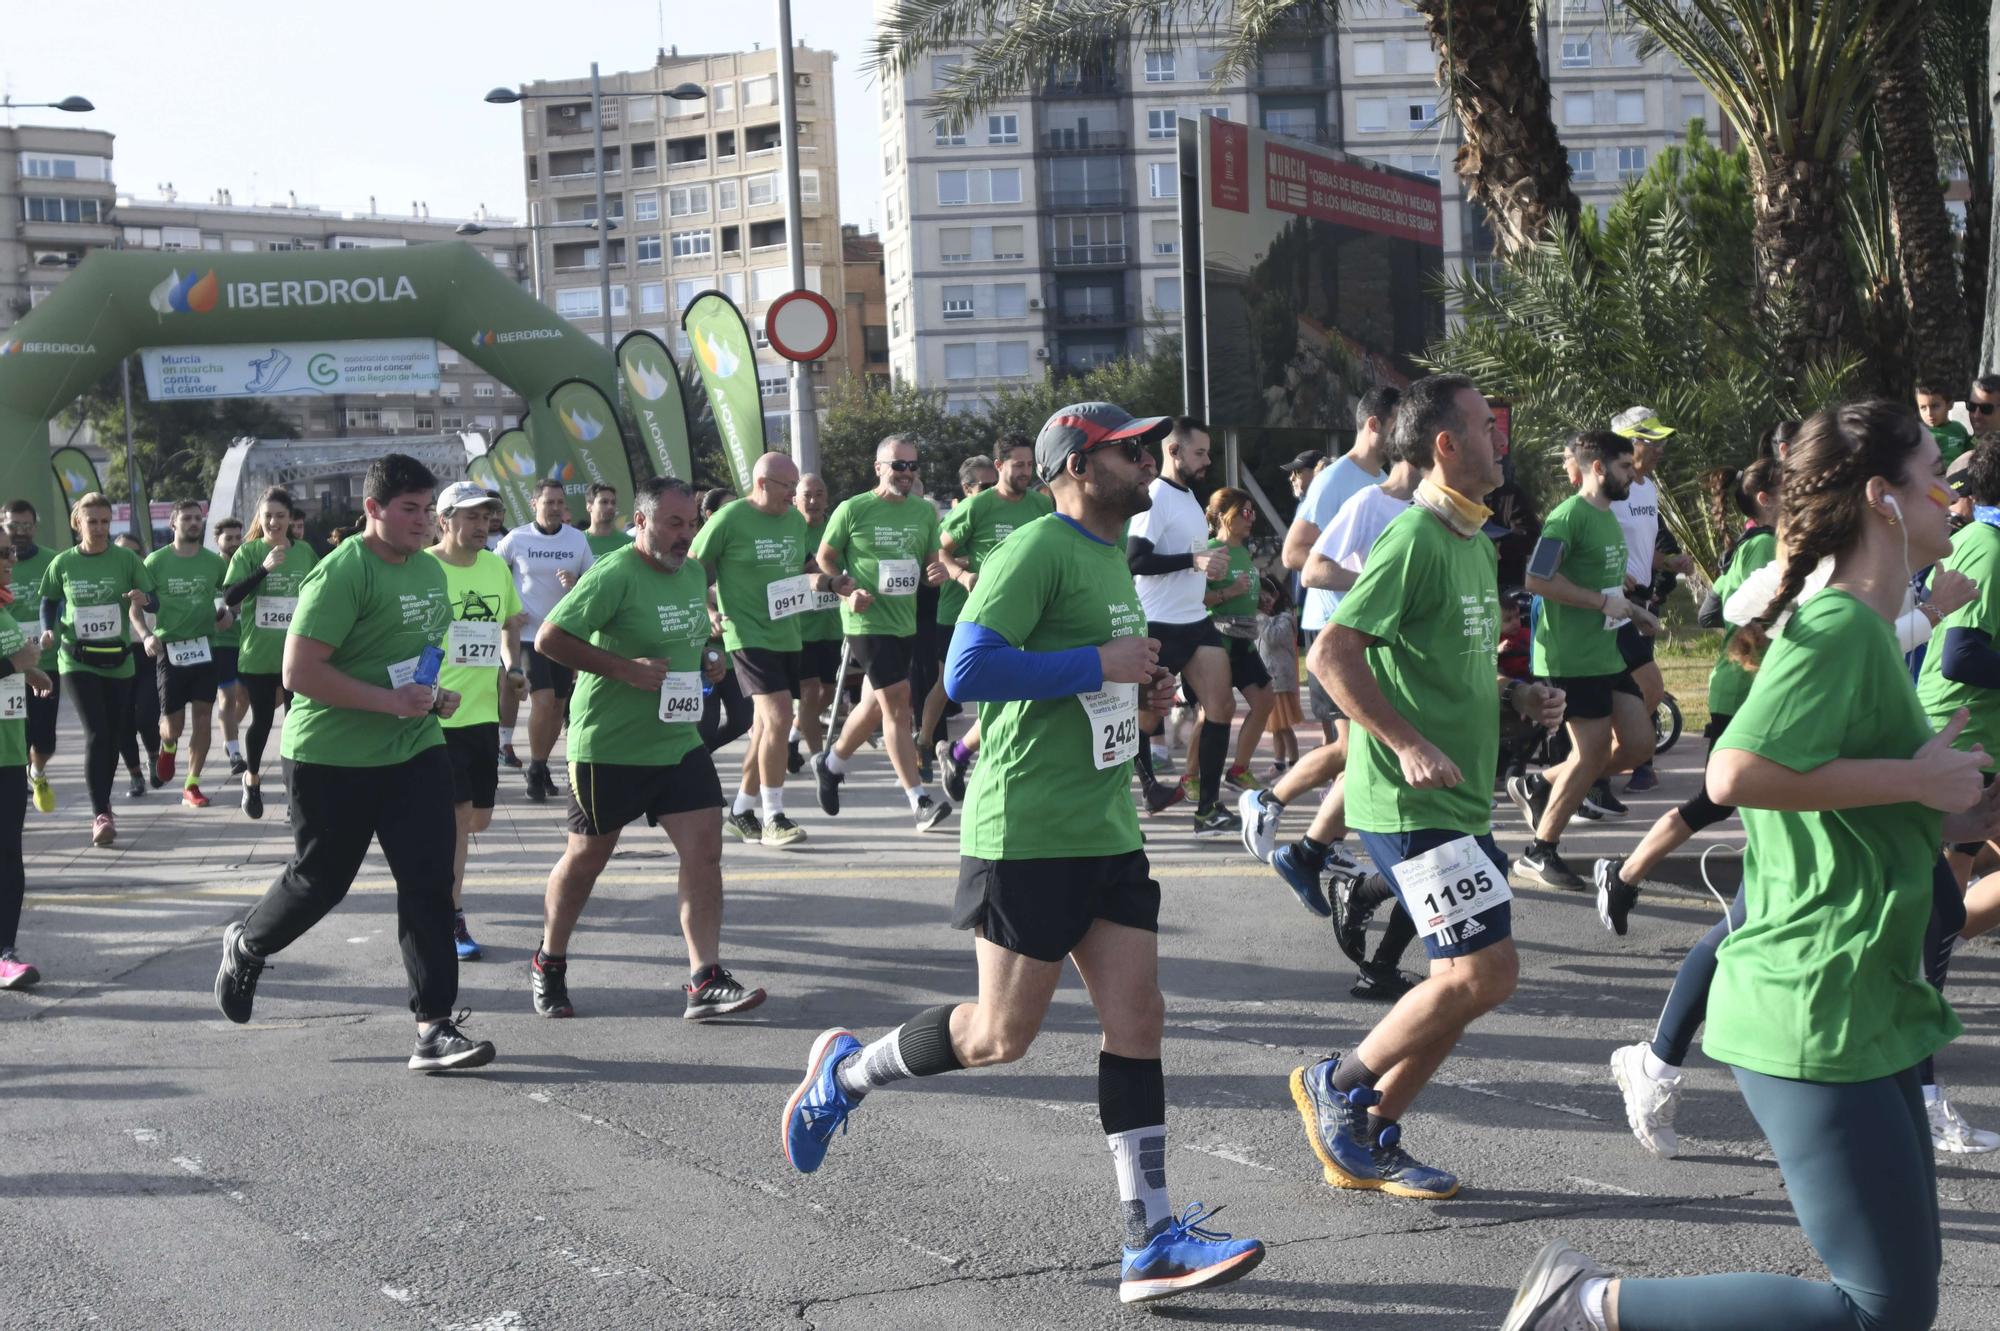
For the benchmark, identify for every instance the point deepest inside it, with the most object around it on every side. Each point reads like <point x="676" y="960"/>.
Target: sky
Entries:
<point x="337" y="101"/>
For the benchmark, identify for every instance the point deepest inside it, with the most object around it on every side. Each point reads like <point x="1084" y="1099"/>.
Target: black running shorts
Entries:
<point x="546" y="674"/>
<point x="1043" y="908"/>
<point x="474" y="752"/>
<point x="180" y="685"/>
<point x="1246" y="667"/>
<point x="1588" y="697"/>
<point x="885" y="659"/>
<point x="1179" y="642"/>
<point x="1634" y="646"/>
<point x="762" y="670"/>
<point x="820" y="660"/>
<point x="604" y="797"/>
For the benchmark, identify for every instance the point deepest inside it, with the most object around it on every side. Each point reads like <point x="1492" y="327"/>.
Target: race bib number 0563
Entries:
<point x="1445" y="887"/>
<point x="897" y="577"/>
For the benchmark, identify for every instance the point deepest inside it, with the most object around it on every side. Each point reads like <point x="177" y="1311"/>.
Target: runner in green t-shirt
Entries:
<point x="1411" y="658"/>
<point x="1578" y="569"/>
<point x="605" y="533"/>
<point x="634" y="629"/>
<point x="1052" y="645"/>
<point x="878" y="546"/>
<point x="1819" y="1005"/>
<point x="21" y="677"/>
<point x="755" y="554"/>
<point x="264" y="581"/>
<point x="362" y="655"/>
<point x="187" y="576"/>
<point x="88" y="592"/>
<point x="228" y="639"/>
<point x="976" y="476"/>
<point x="482" y="644"/>
<point x="1232" y="606"/>
<point x="31" y="561"/>
<point x="820" y="635"/>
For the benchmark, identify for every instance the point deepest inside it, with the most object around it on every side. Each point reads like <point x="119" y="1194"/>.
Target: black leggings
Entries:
<point x="142" y="717"/>
<point x="264" y="692"/>
<point x="103" y="705"/>
<point x="725" y="714"/>
<point x="13" y="873"/>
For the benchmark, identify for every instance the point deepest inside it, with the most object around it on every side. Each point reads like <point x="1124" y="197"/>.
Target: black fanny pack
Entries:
<point x="97" y="655"/>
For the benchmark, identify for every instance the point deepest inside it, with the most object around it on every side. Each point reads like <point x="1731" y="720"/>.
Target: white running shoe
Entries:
<point x="1650" y="1102"/>
<point x="1260" y="824"/>
<point x="1950" y="1132"/>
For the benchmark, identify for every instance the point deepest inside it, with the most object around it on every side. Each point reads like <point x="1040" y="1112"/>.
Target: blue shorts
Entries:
<point x="1489" y="926"/>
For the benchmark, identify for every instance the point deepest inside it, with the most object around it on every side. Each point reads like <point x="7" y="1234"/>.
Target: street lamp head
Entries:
<point x="78" y="104"/>
<point x="469" y="229"/>
<point x="688" y="92"/>
<point x="503" y="96"/>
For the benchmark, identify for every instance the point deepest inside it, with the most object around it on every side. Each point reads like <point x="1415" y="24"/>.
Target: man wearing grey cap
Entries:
<point x="1052" y="869"/>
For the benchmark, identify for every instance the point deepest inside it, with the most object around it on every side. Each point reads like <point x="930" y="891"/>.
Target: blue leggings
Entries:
<point x="1856" y="1159"/>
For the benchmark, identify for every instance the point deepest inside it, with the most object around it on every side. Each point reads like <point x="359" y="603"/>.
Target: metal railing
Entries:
<point x="1077" y="141"/>
<point x="1082" y="256"/>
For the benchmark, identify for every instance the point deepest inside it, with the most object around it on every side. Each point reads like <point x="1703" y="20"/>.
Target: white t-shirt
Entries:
<point x="1359" y="524"/>
<point x="1638" y="517"/>
<point x="1325" y="497"/>
<point x="1176" y="525"/>
<point x="536" y="557"/>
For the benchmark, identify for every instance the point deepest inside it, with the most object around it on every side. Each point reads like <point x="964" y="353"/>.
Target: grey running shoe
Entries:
<point x="1551" y="1294"/>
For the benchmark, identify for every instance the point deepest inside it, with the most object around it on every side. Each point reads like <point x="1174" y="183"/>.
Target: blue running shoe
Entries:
<point x="819" y="1107"/>
<point x="1333" y="1125"/>
<point x="1643" y="780"/>
<point x="468" y="950"/>
<point x="1302" y="878"/>
<point x="1184" y="1257"/>
<point x="1403" y="1176"/>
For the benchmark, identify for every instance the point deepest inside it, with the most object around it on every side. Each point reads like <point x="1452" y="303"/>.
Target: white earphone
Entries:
<point x="1895" y="509"/>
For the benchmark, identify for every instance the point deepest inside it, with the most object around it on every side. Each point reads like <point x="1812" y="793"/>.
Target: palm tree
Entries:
<point x="1490" y="65"/>
<point x="1955" y="58"/>
<point x="1793" y="77"/>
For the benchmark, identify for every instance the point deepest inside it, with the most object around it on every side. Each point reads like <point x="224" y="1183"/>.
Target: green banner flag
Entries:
<point x="482" y="473"/>
<point x="591" y="423"/>
<point x="76" y="476"/>
<point x="728" y="365"/>
<point x="513" y="460"/>
<point x="650" y="383"/>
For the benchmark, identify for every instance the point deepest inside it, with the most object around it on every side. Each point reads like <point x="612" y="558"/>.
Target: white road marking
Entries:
<point x="1231" y="1152"/>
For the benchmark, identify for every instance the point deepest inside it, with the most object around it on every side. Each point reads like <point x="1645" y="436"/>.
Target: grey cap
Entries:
<point x="1082" y="426"/>
<point x="464" y="494"/>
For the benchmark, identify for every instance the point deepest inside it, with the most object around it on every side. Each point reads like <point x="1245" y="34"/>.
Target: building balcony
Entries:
<point x="1091" y="318"/>
<point x="1077" y="141"/>
<point x="68" y="233"/>
<point x="1326" y="136"/>
<point x="1088" y="256"/>
<point x="1291" y="80"/>
<point x="1113" y="196"/>
<point x="1088" y="85"/>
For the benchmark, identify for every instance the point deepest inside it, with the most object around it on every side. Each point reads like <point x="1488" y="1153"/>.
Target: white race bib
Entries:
<point x="94" y="623"/>
<point x="1445" y="887"/>
<point x="1113" y="713"/>
<point x="788" y="596"/>
<point x="14" y="698"/>
<point x="825" y="601"/>
<point x="275" y="612"/>
<point x="193" y="652"/>
<point x="1609" y="622"/>
<point x="471" y="643"/>
<point x="404" y="672"/>
<point x="896" y="577"/>
<point x="680" y="696"/>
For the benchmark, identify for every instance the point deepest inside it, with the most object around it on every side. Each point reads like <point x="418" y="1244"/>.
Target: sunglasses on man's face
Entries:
<point x="899" y="465"/>
<point x="1133" y="449"/>
<point x="1983" y="408"/>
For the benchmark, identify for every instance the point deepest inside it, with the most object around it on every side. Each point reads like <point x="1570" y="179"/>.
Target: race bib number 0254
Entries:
<point x="1444" y="887"/>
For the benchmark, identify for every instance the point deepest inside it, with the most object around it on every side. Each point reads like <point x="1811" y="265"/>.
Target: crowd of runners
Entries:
<point x="1078" y="601"/>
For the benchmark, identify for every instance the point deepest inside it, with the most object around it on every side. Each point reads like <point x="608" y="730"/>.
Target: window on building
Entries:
<point x="1631" y="163"/>
<point x="1219" y="112"/>
<point x="579" y="303"/>
<point x="646" y="207"/>
<point x="1009" y="243"/>
<point x="981" y="185"/>
<point x="63" y="166"/>
<point x="693" y="244"/>
<point x="1167" y="295"/>
<point x="1583" y="163"/>
<point x="758" y="92"/>
<point x="950" y="133"/>
<point x="1576" y="53"/>
<point x="1166" y="236"/>
<point x="1694" y="106"/>
<point x="1579" y="108"/>
<point x="957" y="302"/>
<point x="484" y="389"/>
<point x="809" y="184"/>
<point x="1368" y="58"/>
<point x="639" y="110"/>
<point x="1002" y="130"/>
<point x="1371" y="115"/>
<point x="652" y="297"/>
<point x="1421" y="114"/>
<point x="687" y="200"/>
<point x="1012" y="360"/>
<point x="767" y="284"/>
<point x="1166" y="177"/>
<point x="725" y="196"/>
<point x="774" y="380"/>
<point x="618" y="299"/>
<point x="761" y="190"/>
<point x="1625" y="51"/>
<point x="685" y="290"/>
<point x="1160" y="67"/>
<point x="1010" y="300"/>
<point x="1207" y="60"/>
<point x="1631" y="107"/>
<point x="961" y="360"/>
<point x="942" y="68"/>
<point x="955" y="244"/>
<point x="722" y="97"/>
<point x="448" y="391"/>
<point x="646" y="249"/>
<point x="451" y="422"/>
<point x="39" y="209"/>
<point x="732" y="286"/>
<point x="1160" y="123"/>
<point x="732" y="239"/>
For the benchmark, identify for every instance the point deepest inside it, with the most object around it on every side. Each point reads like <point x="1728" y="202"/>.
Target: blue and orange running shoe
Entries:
<point x="819" y="1108"/>
<point x="1184" y="1257"/>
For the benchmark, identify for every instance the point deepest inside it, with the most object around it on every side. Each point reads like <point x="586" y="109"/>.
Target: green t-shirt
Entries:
<point x="14" y="733"/>
<point x="376" y="615"/>
<point x="481" y="593"/>
<point x="1952" y="439"/>
<point x="601" y="546"/>
<point x="1431" y="600"/>
<point x="631" y="609"/>
<point x="94" y="586"/>
<point x="1037" y="792"/>
<point x="187" y="588"/>
<point x="27" y="607"/>
<point x="1975" y="552"/>
<point x="1824" y="979"/>
<point x="868" y="530"/>
<point x="262" y="649"/>
<point x="976" y="527"/>
<point x="749" y="550"/>
<point x="231" y="637"/>
<point x="1570" y="641"/>
<point x="1239" y="563"/>
<point x="1729" y="683"/>
<point x="819" y="625"/>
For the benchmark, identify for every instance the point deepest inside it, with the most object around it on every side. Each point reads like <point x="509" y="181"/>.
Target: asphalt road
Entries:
<point x="165" y="1169"/>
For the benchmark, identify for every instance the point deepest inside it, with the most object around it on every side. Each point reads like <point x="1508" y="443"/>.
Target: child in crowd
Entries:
<point x="1934" y="405"/>
<point x="1278" y="645"/>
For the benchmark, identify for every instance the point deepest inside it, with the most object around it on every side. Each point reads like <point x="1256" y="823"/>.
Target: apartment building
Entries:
<point x="696" y="192"/>
<point x="1045" y="234"/>
<point x="864" y="324"/>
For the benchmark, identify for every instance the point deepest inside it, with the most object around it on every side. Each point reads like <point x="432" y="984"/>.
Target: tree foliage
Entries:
<point x="178" y="445"/>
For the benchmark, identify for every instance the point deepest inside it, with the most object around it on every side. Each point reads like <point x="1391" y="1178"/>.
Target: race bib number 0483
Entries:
<point x="680" y="697"/>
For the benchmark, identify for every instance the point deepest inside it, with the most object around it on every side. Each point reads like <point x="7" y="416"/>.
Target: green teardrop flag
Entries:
<point x="591" y="425"/>
<point x="513" y="459"/>
<point x="650" y="383"/>
<point x="480" y="471"/>
<point x="728" y="365"/>
<point x="76" y="474"/>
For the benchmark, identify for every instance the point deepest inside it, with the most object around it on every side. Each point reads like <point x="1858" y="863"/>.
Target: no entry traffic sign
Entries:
<point x="800" y="325"/>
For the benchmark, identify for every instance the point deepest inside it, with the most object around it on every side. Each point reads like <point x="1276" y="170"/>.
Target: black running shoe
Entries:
<point x="795" y="758"/>
<point x="718" y="995"/>
<point x="1160" y="796"/>
<point x="236" y="978"/>
<point x="253" y="801"/>
<point x="1547" y="868"/>
<point x="1355" y="900"/>
<point x="932" y="813"/>
<point x="1530" y="794"/>
<point x="442" y="1047"/>
<point x="748" y="828"/>
<point x="540" y="784"/>
<point x="549" y="982"/>
<point x="1606" y="804"/>
<point x="237" y="767"/>
<point x="1383" y="984"/>
<point x="828" y="782"/>
<point x="1615" y="896"/>
<point x="955" y="772"/>
<point x="1217" y="824"/>
<point x="508" y="758"/>
<point x="138" y="790"/>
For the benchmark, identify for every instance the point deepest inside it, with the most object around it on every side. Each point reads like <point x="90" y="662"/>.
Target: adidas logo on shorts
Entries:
<point x="1469" y="928"/>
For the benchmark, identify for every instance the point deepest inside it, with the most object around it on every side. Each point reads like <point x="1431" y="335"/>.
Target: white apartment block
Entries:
<point x="1045" y="234"/>
<point x="697" y="191"/>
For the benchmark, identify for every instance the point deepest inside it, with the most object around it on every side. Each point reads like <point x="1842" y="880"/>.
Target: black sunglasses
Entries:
<point x="1134" y="448"/>
<point x="899" y="465"/>
<point x="1983" y="408"/>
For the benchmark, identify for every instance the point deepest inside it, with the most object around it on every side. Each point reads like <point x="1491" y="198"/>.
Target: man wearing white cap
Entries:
<point x="1638" y="517"/>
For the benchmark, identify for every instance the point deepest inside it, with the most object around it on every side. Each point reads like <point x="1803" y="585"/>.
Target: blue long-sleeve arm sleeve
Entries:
<point x="51" y="613"/>
<point x="983" y="667"/>
<point x="1969" y="658"/>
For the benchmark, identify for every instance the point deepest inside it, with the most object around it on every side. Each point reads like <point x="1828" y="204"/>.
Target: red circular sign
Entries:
<point x="800" y="325"/>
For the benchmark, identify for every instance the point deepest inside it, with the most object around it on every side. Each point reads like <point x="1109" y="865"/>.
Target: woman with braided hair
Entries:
<point x="1819" y="1005"/>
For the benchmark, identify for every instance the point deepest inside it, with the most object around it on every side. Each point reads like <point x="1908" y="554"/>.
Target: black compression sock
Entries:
<point x="1540" y="847"/>
<point x="1352" y="1072"/>
<point x="1314" y="850"/>
<point x="1214" y="756"/>
<point x="1397" y="936"/>
<point x="1143" y="757"/>
<point x="1372" y="892"/>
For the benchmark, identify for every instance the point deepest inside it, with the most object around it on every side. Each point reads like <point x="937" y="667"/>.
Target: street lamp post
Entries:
<point x="805" y="417"/>
<point x="76" y="105"/>
<point x="685" y="92"/>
